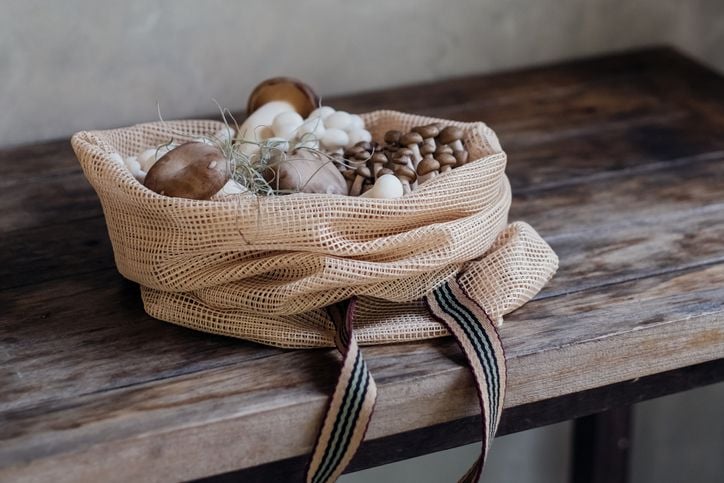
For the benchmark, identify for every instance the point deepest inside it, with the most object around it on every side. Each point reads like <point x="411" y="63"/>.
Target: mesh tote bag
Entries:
<point x="316" y="270"/>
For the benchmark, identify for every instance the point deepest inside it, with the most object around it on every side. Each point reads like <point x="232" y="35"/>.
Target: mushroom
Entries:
<point x="384" y="171"/>
<point x="378" y="160"/>
<point x="321" y="112"/>
<point x="451" y="136"/>
<point x="428" y="133"/>
<point x="338" y="120"/>
<point x="411" y="140"/>
<point x="285" y="124"/>
<point x="443" y="148"/>
<point x="334" y="139"/>
<point x="461" y="157"/>
<point x="271" y="98"/>
<point x="447" y="162"/>
<point x="387" y="186"/>
<point x="193" y="170"/>
<point x="407" y="176"/>
<point x="349" y="177"/>
<point x="427" y="169"/>
<point x="307" y="172"/>
<point x="392" y="137"/>
<point x="362" y="172"/>
<point x="357" y="135"/>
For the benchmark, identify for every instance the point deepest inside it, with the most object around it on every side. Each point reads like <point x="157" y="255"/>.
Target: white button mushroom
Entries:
<point x="313" y="126"/>
<point x="356" y="122"/>
<point x="338" y="120"/>
<point x="277" y="143"/>
<point x="149" y="157"/>
<point x="135" y="168"/>
<point x="358" y="135"/>
<point x="386" y="186"/>
<point x="334" y="139"/>
<point x="285" y="124"/>
<point x="321" y="112"/>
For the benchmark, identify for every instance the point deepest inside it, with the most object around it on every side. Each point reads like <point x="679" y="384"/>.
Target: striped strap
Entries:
<point x="352" y="403"/>
<point x="476" y="335"/>
<point x="349" y="412"/>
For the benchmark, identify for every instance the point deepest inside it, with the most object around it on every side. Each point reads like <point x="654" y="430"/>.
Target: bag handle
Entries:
<point x="351" y="406"/>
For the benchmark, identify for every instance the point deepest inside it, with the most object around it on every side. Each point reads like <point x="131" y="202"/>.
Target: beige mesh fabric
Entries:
<point x="265" y="268"/>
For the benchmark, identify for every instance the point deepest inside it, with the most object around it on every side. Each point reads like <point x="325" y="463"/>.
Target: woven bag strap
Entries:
<point x="351" y="405"/>
<point x="349" y="411"/>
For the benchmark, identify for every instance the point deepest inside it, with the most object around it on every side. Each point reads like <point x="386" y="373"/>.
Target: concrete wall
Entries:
<point x="82" y="64"/>
<point x="79" y="64"/>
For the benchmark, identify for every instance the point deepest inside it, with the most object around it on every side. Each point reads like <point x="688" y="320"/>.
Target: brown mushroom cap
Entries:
<point x="402" y="160"/>
<point x="443" y="148"/>
<point x="404" y="152"/>
<point x="364" y="171"/>
<point x="295" y="92"/>
<point x="366" y="146"/>
<point x="427" y="149"/>
<point x="429" y="131"/>
<point x="461" y="156"/>
<point x="427" y="165"/>
<point x="193" y="170"/>
<point x="446" y="160"/>
<point x="392" y="136"/>
<point x="379" y="158"/>
<point x="410" y="138"/>
<point x="406" y="173"/>
<point x="450" y="134"/>
<point x="385" y="171"/>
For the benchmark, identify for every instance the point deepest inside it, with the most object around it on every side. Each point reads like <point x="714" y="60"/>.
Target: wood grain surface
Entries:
<point x="617" y="161"/>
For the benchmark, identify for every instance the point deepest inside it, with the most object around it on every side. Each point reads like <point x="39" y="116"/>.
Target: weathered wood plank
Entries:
<point x="465" y="431"/>
<point x="582" y="341"/>
<point x="615" y="163"/>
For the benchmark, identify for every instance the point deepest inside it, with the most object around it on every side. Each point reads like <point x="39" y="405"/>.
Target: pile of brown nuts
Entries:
<point x="414" y="157"/>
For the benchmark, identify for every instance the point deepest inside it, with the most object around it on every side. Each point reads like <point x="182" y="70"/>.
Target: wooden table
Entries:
<point x="617" y="161"/>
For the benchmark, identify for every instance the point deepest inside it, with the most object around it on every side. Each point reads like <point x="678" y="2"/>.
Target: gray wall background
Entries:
<point x="81" y="64"/>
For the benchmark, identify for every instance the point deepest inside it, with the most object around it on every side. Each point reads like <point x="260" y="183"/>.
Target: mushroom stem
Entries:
<point x="416" y="156"/>
<point x="252" y="128"/>
<point x="356" y="188"/>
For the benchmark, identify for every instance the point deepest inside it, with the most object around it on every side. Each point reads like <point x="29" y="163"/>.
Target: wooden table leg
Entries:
<point x="601" y="445"/>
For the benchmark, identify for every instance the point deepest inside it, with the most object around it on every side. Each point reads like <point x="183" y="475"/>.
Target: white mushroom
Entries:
<point x="338" y="120"/>
<point x="334" y="139"/>
<point x="356" y="122"/>
<point x="387" y="186"/>
<point x="358" y="135"/>
<point x="322" y="112"/>
<point x="311" y="127"/>
<point x="285" y="124"/>
<point x="149" y="157"/>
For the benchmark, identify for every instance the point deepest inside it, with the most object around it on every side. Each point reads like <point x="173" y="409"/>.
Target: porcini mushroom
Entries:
<point x="427" y="169"/>
<point x="271" y="98"/>
<point x="411" y="140"/>
<point x="452" y="136"/>
<point x="193" y="170"/>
